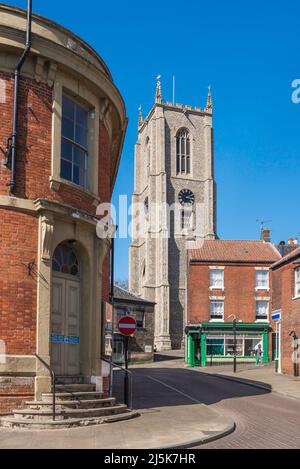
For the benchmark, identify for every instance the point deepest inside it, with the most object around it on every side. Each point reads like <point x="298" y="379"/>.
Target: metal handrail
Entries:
<point x="53" y="383"/>
<point x="127" y="373"/>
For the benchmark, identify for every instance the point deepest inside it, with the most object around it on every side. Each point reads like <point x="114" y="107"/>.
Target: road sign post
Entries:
<point x="276" y="316"/>
<point x="127" y="326"/>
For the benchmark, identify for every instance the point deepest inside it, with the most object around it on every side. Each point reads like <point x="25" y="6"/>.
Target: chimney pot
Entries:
<point x="266" y="235"/>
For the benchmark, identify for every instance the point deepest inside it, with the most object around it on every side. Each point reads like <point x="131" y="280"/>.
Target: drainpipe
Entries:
<point x="14" y="136"/>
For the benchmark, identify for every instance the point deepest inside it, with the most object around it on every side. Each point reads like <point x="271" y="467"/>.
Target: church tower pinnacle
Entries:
<point x="158" y="93"/>
<point x="140" y="118"/>
<point x="209" y="102"/>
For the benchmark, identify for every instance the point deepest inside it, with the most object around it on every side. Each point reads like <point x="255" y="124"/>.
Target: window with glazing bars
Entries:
<point x="297" y="282"/>
<point x="74" y="142"/>
<point x="183" y="152"/>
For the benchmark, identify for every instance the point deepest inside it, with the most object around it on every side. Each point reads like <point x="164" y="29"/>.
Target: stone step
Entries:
<point x="70" y="396"/>
<point x="75" y="388"/>
<point x="67" y="404"/>
<point x="12" y="422"/>
<point x="70" y="380"/>
<point x="45" y="414"/>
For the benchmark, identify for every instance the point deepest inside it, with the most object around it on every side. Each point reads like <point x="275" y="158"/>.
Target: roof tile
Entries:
<point x="233" y="250"/>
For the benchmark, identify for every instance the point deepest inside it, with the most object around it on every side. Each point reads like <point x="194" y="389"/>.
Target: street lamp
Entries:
<point x="234" y="340"/>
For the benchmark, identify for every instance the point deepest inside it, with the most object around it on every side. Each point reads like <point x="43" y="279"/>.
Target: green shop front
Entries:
<point x="209" y="344"/>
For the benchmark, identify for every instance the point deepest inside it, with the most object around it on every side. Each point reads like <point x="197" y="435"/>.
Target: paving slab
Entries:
<point x="264" y="377"/>
<point x="180" y="426"/>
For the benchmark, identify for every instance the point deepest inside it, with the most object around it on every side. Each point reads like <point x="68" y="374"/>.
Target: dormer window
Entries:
<point x="183" y="152"/>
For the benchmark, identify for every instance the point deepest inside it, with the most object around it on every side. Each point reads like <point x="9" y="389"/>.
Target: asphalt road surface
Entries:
<point x="263" y="419"/>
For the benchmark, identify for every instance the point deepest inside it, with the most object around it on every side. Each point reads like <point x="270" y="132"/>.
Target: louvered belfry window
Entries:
<point x="183" y="152"/>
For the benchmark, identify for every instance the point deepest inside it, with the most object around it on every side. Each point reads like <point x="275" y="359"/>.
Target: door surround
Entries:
<point x="65" y="312"/>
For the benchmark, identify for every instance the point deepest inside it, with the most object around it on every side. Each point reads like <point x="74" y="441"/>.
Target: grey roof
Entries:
<point x="285" y="249"/>
<point x="125" y="295"/>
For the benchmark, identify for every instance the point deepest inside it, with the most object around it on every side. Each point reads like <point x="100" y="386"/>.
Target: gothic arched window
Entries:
<point x="65" y="260"/>
<point x="183" y="152"/>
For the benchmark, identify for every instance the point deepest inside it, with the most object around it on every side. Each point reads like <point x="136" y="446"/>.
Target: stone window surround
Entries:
<point x="174" y="153"/>
<point x="215" y="267"/>
<point x="219" y="300"/>
<point x="83" y="96"/>
<point x="263" y="298"/>
<point x="267" y="269"/>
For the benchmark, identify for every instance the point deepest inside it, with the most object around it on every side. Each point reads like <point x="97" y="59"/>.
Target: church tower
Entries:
<point x="174" y="201"/>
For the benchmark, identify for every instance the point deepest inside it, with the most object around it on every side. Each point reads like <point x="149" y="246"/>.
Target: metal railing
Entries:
<point x="53" y="383"/>
<point x="127" y="382"/>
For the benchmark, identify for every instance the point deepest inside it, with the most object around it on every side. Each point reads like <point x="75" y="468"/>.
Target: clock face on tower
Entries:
<point x="186" y="197"/>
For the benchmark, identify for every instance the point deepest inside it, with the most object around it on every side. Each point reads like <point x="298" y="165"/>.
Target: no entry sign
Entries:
<point x="127" y="325"/>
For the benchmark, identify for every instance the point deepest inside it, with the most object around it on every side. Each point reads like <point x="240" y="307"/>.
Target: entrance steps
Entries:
<point x="76" y="405"/>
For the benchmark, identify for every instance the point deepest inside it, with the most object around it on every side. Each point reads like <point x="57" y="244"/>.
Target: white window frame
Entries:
<point x="297" y="282"/>
<point x="211" y="271"/>
<point x="75" y="144"/>
<point x="265" y="271"/>
<point x="262" y="319"/>
<point x="215" y="319"/>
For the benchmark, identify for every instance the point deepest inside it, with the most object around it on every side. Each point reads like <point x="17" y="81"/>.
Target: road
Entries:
<point x="263" y="419"/>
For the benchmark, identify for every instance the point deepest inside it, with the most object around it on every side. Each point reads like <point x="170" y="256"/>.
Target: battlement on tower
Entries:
<point x="174" y="106"/>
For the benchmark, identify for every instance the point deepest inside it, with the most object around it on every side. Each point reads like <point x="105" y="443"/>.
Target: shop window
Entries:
<point x="262" y="279"/>
<point x="251" y="345"/>
<point x="215" y="346"/>
<point x="223" y="345"/>
<point x="217" y="278"/>
<point x="229" y="346"/>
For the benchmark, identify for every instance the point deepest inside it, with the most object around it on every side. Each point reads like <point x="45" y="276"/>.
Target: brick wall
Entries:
<point x="18" y="248"/>
<point x="33" y="166"/>
<point x="19" y="231"/>
<point x="13" y="393"/>
<point x="283" y="294"/>
<point x="240" y="295"/>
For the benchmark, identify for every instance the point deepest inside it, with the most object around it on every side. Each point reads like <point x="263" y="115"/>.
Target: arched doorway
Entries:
<point x="65" y="313"/>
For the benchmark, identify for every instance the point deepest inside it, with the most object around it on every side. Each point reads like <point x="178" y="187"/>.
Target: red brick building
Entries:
<point x="227" y="281"/>
<point x="286" y="297"/>
<point x="60" y="165"/>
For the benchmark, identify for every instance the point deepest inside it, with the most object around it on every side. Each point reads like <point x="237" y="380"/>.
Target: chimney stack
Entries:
<point x="292" y="241"/>
<point x="266" y="235"/>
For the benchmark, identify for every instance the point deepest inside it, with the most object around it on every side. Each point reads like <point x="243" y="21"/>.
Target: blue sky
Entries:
<point x="249" y="52"/>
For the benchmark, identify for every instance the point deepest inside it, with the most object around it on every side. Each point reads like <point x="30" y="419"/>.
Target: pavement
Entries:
<point x="262" y="377"/>
<point x="169" y="418"/>
<point x="182" y="407"/>
<point x="157" y="428"/>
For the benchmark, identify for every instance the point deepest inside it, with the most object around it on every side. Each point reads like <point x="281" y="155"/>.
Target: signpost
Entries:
<point x="276" y="316"/>
<point x="127" y="326"/>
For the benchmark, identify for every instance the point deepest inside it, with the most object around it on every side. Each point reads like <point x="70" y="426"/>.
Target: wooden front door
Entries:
<point x="65" y="328"/>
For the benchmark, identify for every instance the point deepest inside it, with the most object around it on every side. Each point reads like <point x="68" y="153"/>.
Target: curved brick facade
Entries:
<point x="39" y="215"/>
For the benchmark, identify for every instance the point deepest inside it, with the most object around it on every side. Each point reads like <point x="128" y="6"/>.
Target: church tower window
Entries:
<point x="183" y="152"/>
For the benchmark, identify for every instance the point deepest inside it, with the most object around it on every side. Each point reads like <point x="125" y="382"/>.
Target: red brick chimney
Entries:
<point x="266" y="235"/>
<point x="293" y="241"/>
